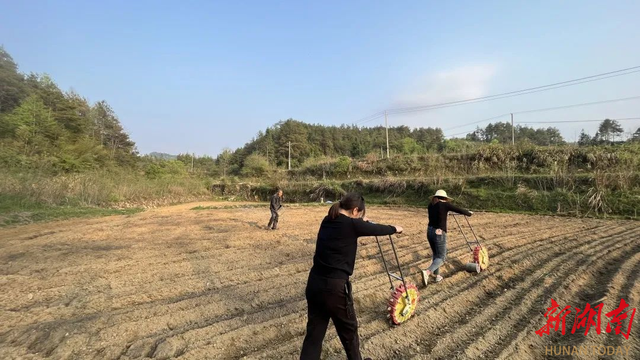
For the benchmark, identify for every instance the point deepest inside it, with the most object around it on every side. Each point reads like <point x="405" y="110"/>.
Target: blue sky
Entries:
<point x="198" y="76"/>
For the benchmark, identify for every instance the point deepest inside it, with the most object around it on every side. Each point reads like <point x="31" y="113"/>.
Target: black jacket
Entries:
<point x="276" y="203"/>
<point x="337" y="243"/>
<point x="438" y="214"/>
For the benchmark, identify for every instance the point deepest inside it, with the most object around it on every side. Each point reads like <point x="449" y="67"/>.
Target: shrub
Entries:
<point x="255" y="165"/>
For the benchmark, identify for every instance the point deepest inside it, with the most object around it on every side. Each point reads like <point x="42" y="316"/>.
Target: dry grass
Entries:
<point x="102" y="188"/>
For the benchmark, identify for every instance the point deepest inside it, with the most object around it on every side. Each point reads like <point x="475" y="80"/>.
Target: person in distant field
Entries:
<point x="328" y="290"/>
<point x="275" y="206"/>
<point x="437" y="232"/>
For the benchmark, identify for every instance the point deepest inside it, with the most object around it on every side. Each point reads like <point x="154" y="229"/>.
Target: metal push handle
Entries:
<point x="386" y="269"/>
<point x="472" y="231"/>
<point x="462" y="232"/>
<point x="398" y="262"/>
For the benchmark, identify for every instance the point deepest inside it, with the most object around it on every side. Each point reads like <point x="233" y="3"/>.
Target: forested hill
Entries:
<point x="312" y="141"/>
<point x="45" y="128"/>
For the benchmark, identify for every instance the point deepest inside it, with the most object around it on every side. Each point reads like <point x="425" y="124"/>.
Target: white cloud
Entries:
<point x="456" y="84"/>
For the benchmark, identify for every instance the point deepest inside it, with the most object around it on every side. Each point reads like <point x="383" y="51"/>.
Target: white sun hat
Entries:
<point x="442" y="193"/>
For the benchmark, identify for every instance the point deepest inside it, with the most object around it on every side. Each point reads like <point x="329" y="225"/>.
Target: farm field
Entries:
<point x="214" y="284"/>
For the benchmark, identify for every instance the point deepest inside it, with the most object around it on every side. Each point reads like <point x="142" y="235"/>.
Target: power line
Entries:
<point x="369" y="118"/>
<point x="555" y="122"/>
<point x="578" y="105"/>
<point x="575" y="121"/>
<point x="476" y="122"/>
<point x="553" y="86"/>
<point x="502" y="96"/>
<point x="462" y="133"/>
<point x="547" y="109"/>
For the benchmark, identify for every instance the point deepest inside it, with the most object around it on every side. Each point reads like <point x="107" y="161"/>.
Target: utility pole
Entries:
<point x="193" y="155"/>
<point x="513" y="132"/>
<point x="289" y="155"/>
<point x="386" y="125"/>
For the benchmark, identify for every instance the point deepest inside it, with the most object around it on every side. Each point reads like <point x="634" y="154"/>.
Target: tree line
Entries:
<point x="609" y="132"/>
<point x="46" y="128"/>
<point x="314" y="141"/>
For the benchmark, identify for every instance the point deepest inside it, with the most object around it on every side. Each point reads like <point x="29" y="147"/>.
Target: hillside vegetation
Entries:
<point x="62" y="155"/>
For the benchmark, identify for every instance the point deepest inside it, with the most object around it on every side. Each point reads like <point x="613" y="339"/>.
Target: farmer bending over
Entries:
<point x="328" y="289"/>
<point x="437" y="232"/>
<point x="275" y="206"/>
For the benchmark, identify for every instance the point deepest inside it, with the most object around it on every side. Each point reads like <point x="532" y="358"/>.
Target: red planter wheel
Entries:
<point x="400" y="309"/>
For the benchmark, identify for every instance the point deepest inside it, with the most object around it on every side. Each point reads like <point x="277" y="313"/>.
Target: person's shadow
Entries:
<point x="257" y="226"/>
<point x="454" y="266"/>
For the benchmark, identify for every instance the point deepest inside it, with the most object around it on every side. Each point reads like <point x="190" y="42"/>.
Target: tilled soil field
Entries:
<point x="214" y="284"/>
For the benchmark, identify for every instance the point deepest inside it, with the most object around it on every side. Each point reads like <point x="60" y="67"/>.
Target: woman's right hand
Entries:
<point x="399" y="229"/>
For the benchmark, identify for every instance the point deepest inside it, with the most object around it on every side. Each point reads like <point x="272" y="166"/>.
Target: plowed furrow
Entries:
<point x="578" y="289"/>
<point x="452" y="291"/>
<point x="505" y="332"/>
<point x="524" y="286"/>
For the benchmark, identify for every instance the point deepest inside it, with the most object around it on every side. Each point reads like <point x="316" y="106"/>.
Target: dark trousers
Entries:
<point x="438" y="244"/>
<point x="274" y="220"/>
<point x="330" y="299"/>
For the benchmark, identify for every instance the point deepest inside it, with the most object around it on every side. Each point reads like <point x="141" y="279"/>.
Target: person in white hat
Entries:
<point x="437" y="232"/>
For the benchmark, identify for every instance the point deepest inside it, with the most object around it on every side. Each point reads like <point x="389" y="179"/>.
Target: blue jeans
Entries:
<point x="438" y="244"/>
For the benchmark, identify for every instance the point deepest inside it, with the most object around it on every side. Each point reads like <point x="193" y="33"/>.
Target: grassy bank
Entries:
<point x="31" y="196"/>
<point x="15" y="210"/>
<point x="583" y="195"/>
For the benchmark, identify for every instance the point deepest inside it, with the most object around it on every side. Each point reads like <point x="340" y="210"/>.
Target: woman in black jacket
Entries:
<point x="437" y="232"/>
<point x="328" y="289"/>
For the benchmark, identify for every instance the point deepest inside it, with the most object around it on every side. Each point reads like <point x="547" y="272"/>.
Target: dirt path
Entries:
<point x="175" y="282"/>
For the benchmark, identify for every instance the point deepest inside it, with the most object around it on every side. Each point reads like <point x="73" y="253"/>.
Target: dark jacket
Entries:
<point x="438" y="214"/>
<point x="337" y="243"/>
<point x="276" y="203"/>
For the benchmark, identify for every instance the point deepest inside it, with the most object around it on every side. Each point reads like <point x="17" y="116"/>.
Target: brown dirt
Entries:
<point x="174" y="282"/>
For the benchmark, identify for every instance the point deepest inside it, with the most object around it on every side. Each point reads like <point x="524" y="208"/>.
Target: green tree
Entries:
<point x="224" y="161"/>
<point x="12" y="87"/>
<point x="32" y="126"/>
<point x="70" y="110"/>
<point x="476" y="135"/>
<point x="428" y="139"/>
<point x="42" y="126"/>
<point x="584" y="139"/>
<point x="636" y="136"/>
<point x="161" y="168"/>
<point x="608" y="131"/>
<point x="255" y="165"/>
<point x="342" y="165"/>
<point x="409" y="146"/>
<point x="502" y="133"/>
<point x="81" y="155"/>
<point x="106" y="129"/>
<point x="294" y="132"/>
<point x="188" y="160"/>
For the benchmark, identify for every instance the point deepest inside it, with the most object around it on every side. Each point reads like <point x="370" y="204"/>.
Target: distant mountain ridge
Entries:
<point x="163" y="156"/>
